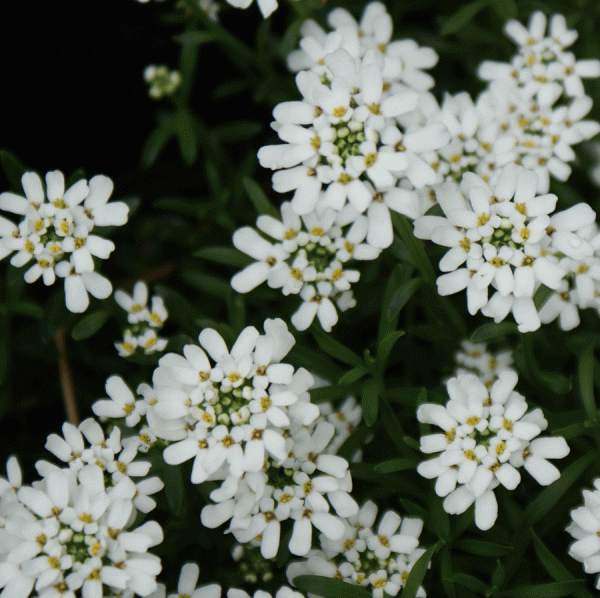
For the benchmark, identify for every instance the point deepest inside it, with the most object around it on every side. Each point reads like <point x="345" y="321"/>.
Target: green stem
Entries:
<point x="416" y="249"/>
<point x="239" y="52"/>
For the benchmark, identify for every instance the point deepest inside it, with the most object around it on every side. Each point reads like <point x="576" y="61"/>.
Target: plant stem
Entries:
<point x="66" y="377"/>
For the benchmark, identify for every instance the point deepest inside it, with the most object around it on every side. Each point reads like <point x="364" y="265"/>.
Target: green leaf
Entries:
<point x="89" y="324"/>
<point x="353" y="375"/>
<point x="542" y="295"/>
<point x="401" y="296"/>
<point x="471" y="582"/>
<point x="27" y="308"/>
<point x="370" y="401"/>
<point x="571" y="431"/>
<point x="174" y="489"/>
<point x="439" y="520"/>
<point x="193" y="36"/>
<point x="386" y="345"/>
<point x="259" y="199"/>
<point x="237" y="131"/>
<point x="393" y="465"/>
<point x="482" y="547"/>
<point x="327" y="587"/>
<point x="5" y="342"/>
<point x="207" y="283"/>
<point x="546" y="590"/>
<point x="492" y="331"/>
<point x="506" y="9"/>
<point x="332" y="393"/>
<point x="417" y="573"/>
<point x="447" y="571"/>
<point x="553" y="565"/>
<point x="549" y="496"/>
<point x="555" y="382"/>
<point x="585" y="379"/>
<point x="499" y="575"/>
<point x="156" y="142"/>
<point x="13" y="169"/>
<point x="334" y="348"/>
<point x="180" y="309"/>
<point x="185" y="129"/>
<point x="462" y="16"/>
<point x="230" y="256"/>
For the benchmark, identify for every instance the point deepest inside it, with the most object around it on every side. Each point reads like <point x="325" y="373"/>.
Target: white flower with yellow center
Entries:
<point x="487" y="436"/>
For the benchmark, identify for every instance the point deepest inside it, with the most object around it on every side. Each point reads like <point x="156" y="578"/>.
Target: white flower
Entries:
<point x="487" y="436"/>
<point x="161" y="81"/>
<point x="55" y="230"/>
<point x="496" y="236"/>
<point x="585" y="528"/>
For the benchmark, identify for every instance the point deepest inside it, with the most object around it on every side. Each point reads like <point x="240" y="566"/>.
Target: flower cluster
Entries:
<point x="161" y="81"/>
<point x="475" y="358"/>
<point x="585" y="528"/>
<point x="343" y="141"/>
<point x="144" y="322"/>
<point x="187" y="588"/>
<point x="308" y="258"/>
<point x="379" y="561"/>
<point x="505" y="236"/>
<point x="487" y="437"/>
<point x="55" y="232"/>
<point x="531" y="112"/>
<point x="302" y="487"/>
<point x="71" y="532"/>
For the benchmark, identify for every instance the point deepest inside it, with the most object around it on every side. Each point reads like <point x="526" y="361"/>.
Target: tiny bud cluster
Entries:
<point x="144" y="322"/>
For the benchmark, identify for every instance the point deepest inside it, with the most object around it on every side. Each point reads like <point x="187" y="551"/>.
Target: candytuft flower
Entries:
<point x="55" y="233"/>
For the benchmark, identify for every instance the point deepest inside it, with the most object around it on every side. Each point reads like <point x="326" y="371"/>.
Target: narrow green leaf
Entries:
<point x="440" y="521"/>
<point x="492" y="331"/>
<point x="393" y="465"/>
<point x="546" y="590"/>
<point x="386" y="345"/>
<point x="156" y="142"/>
<point x="5" y="342"/>
<point x="353" y="375"/>
<point x="462" y="16"/>
<point x="447" y="571"/>
<point x="174" y="489"/>
<point x="555" y="382"/>
<point x="333" y="393"/>
<point x="499" y="574"/>
<point x="259" y="199"/>
<point x="550" y="495"/>
<point x="542" y="295"/>
<point x="417" y="573"/>
<point x="401" y="296"/>
<point x="471" y="582"/>
<point x="572" y="431"/>
<point x="554" y="566"/>
<point x="185" y="129"/>
<point x="506" y="9"/>
<point x="585" y="379"/>
<point x="334" y="348"/>
<point x="237" y="131"/>
<point x="89" y="324"/>
<point x="399" y="275"/>
<point x="180" y="309"/>
<point x="207" y="283"/>
<point x="370" y="401"/>
<point x="327" y="587"/>
<point x="13" y="169"/>
<point x="393" y="427"/>
<point x="193" y="36"/>
<point x="481" y="547"/>
<point x="229" y="256"/>
<point x="27" y="308"/>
